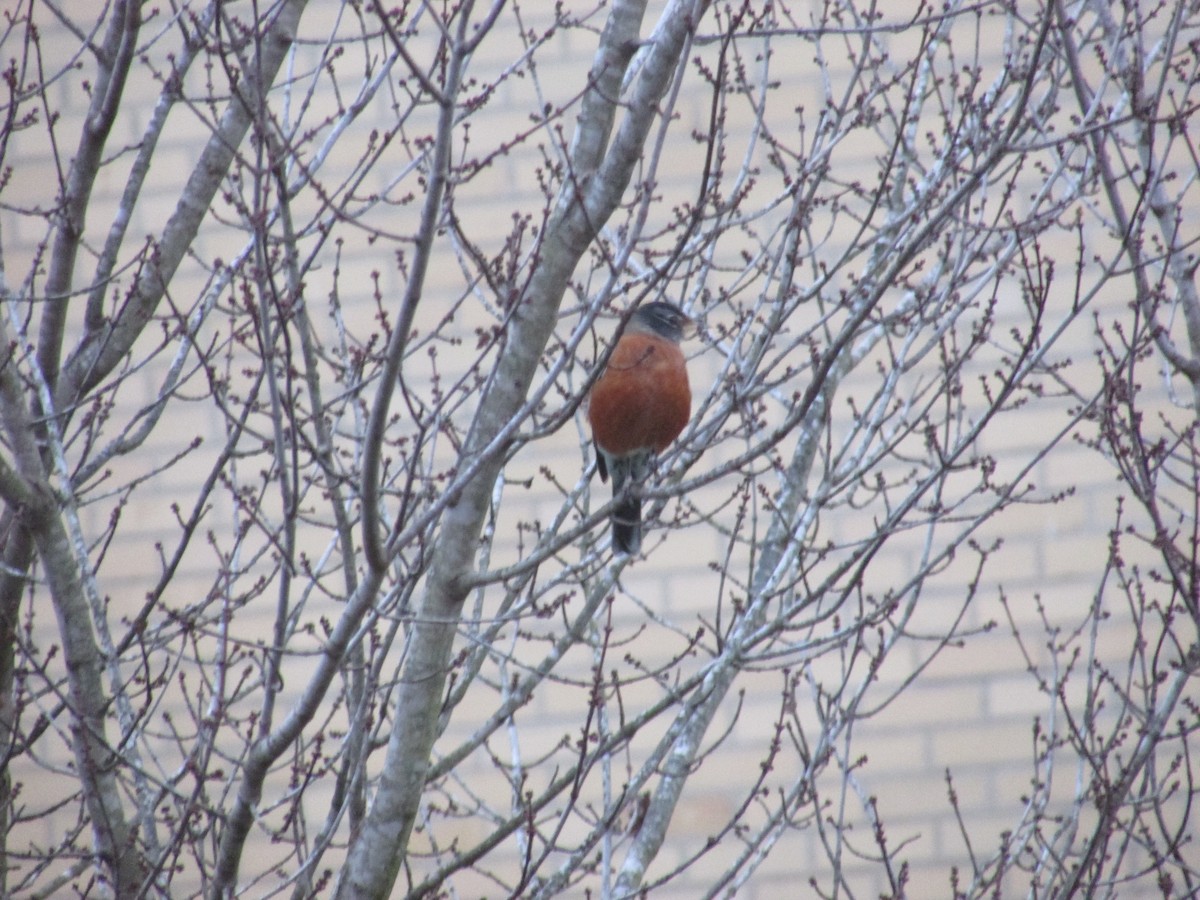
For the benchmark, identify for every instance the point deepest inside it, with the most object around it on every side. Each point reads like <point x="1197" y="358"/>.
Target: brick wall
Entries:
<point x="970" y="709"/>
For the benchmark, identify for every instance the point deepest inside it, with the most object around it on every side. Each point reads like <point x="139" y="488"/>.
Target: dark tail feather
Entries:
<point x="627" y="525"/>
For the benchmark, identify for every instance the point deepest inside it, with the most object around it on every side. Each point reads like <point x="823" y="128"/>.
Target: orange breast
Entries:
<point x="642" y="400"/>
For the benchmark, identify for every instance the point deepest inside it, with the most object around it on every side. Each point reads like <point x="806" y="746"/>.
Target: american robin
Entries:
<point x="639" y="404"/>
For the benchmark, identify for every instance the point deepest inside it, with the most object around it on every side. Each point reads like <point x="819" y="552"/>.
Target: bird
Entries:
<point x="638" y="405"/>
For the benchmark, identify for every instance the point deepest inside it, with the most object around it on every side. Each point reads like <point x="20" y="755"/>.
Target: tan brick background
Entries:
<point x="969" y="712"/>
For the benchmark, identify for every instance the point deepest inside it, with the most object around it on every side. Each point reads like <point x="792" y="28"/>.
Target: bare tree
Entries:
<point x="1119" y="727"/>
<point x="300" y="311"/>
